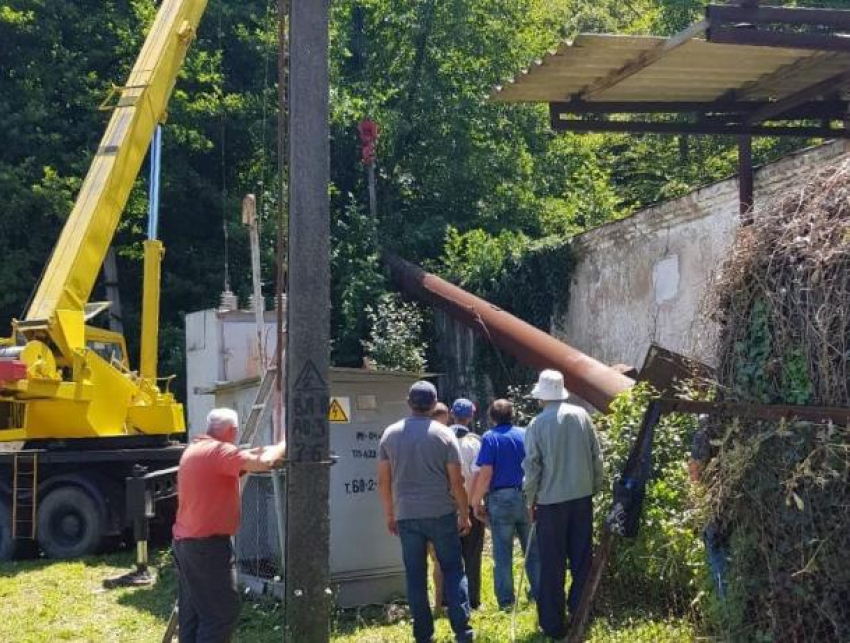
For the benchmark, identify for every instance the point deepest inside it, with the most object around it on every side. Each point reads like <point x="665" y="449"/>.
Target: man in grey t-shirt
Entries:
<point x="421" y="487"/>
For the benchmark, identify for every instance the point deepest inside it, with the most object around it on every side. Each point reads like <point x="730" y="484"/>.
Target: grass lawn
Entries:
<point x="45" y="601"/>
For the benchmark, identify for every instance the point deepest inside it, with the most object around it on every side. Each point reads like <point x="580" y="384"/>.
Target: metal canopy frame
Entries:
<point x="821" y="109"/>
<point x="816" y="109"/>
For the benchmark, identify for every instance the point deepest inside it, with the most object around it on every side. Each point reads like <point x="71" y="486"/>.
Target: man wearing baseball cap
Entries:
<point x="463" y="413"/>
<point x="424" y="500"/>
<point x="563" y="469"/>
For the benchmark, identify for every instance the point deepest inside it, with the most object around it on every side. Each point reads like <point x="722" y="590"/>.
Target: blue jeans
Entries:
<point x="717" y="558"/>
<point x="509" y="519"/>
<point x="415" y="534"/>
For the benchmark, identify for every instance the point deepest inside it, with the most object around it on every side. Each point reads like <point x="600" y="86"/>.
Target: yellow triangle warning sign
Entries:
<point x="339" y="410"/>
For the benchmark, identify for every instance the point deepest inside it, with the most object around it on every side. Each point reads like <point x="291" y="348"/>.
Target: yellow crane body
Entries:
<point x="77" y="381"/>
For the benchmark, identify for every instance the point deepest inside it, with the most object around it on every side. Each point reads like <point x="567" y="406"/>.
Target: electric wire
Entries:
<point x="223" y="148"/>
<point x="521" y="578"/>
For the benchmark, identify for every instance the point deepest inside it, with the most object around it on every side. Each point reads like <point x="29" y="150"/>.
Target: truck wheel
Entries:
<point x="7" y="544"/>
<point x="69" y="523"/>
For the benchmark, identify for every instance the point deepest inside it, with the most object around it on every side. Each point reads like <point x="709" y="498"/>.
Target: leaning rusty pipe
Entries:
<point x="589" y="379"/>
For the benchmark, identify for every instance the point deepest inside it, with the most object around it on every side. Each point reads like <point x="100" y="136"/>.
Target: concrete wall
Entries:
<point x="641" y="279"/>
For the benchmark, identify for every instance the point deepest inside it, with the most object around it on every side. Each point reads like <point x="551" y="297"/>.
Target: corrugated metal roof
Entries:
<point x="695" y="71"/>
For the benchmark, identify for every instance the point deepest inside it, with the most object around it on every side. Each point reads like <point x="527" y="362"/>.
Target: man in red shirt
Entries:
<point x="208" y="516"/>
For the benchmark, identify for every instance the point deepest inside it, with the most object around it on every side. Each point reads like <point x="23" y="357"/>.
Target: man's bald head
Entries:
<point x="440" y="413"/>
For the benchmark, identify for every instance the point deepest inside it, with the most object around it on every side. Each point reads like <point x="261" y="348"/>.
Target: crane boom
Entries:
<point x="60" y="378"/>
<point x="77" y="258"/>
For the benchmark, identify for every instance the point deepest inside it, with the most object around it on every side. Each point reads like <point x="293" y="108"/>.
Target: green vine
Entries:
<point x="751" y="355"/>
<point x="535" y="285"/>
<point x="529" y="279"/>
<point x="796" y="383"/>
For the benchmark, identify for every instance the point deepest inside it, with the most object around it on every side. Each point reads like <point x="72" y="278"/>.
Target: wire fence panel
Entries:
<point x="258" y="542"/>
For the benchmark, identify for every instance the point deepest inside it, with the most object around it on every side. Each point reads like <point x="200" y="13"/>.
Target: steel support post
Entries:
<point x="745" y="177"/>
<point x="307" y="576"/>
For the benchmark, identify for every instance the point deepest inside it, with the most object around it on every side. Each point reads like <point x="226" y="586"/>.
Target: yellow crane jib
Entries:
<point x="74" y="380"/>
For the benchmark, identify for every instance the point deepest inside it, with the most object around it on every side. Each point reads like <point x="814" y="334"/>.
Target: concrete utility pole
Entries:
<point x="307" y="575"/>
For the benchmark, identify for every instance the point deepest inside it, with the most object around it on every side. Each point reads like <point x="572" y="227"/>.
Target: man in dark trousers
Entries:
<point x="421" y="488"/>
<point x="208" y="515"/>
<point x="463" y="413"/>
<point x="563" y="469"/>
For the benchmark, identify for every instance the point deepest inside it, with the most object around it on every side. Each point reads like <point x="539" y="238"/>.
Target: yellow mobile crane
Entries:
<point x="66" y="388"/>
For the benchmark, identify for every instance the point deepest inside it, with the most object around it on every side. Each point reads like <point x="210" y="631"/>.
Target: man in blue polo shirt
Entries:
<point x="500" y="478"/>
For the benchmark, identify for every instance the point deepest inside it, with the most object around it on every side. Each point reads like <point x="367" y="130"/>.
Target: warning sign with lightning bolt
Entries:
<point x="340" y="410"/>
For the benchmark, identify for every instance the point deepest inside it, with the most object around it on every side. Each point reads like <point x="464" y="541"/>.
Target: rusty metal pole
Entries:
<point x="307" y="600"/>
<point x="745" y="177"/>
<point x="587" y="378"/>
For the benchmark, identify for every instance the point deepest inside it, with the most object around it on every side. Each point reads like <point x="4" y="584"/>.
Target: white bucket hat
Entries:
<point x="550" y="387"/>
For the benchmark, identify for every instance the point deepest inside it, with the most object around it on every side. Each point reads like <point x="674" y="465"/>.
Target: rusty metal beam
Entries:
<point x="779" y="108"/>
<point x="697" y="128"/>
<point x="794" y="16"/>
<point x="740" y="109"/>
<point x="746" y="176"/>
<point x="793" y="27"/>
<point x="784" y="39"/>
<point x="589" y="379"/>
<point x="835" y="414"/>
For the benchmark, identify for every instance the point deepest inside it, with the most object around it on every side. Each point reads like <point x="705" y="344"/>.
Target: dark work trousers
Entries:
<point x="207" y="596"/>
<point x="472" y="545"/>
<point x="564" y="531"/>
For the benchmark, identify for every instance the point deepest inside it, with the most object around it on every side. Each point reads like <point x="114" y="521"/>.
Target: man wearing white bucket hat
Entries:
<point x="563" y="469"/>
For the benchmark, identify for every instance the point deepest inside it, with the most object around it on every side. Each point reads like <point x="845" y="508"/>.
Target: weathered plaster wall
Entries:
<point x="641" y="279"/>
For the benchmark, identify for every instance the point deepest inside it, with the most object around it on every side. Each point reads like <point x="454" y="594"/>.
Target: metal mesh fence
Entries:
<point x="258" y="543"/>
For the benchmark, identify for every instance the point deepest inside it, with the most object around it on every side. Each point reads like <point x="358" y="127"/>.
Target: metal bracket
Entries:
<point x="118" y="90"/>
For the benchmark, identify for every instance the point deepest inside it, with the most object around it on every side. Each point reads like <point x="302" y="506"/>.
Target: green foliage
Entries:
<point x="357" y="282"/>
<point x="71" y="609"/>
<point x="796" y="385"/>
<point x="449" y="162"/>
<point x="664" y="566"/>
<point x="776" y="490"/>
<point x="525" y="407"/>
<point x="529" y="279"/>
<point x="479" y="260"/>
<point x="395" y="339"/>
<point x="751" y="356"/>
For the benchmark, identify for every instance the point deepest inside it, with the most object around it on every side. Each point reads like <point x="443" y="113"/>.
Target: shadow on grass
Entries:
<point x="157" y="599"/>
<point x="115" y="553"/>
<point x="373" y="619"/>
<point x="353" y="620"/>
<point x="260" y="619"/>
